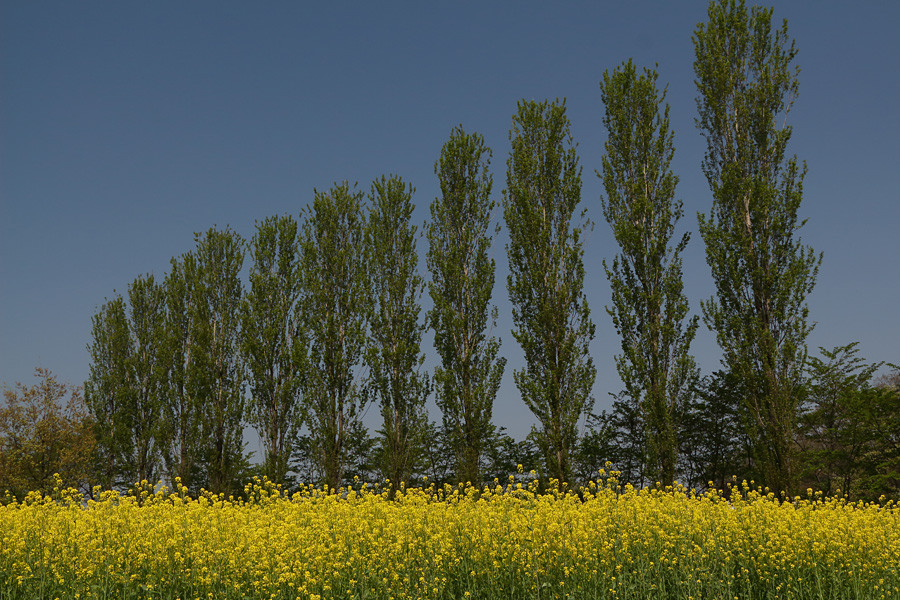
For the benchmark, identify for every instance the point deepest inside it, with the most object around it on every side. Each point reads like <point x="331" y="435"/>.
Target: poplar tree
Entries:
<point x="203" y="416"/>
<point x="338" y="300"/>
<point x="394" y="357"/>
<point x="273" y="341"/>
<point x="125" y="391"/>
<point x="763" y="273"/>
<point x="148" y="368"/>
<point x="108" y="392"/>
<point x="217" y="292"/>
<point x="187" y="383"/>
<point x="649" y="307"/>
<point x="462" y="282"/>
<point x="550" y="311"/>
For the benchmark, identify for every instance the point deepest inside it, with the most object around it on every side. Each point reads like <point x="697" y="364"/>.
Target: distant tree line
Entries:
<point x="331" y="322"/>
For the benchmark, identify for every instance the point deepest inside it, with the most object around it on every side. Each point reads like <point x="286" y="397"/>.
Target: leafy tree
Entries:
<point x="217" y="292"/>
<point x="839" y="428"/>
<point x="109" y="393"/>
<point x="126" y="388"/>
<point x="339" y="300"/>
<point x="626" y="425"/>
<point x="761" y="270"/>
<point x="147" y="371"/>
<point x="393" y="356"/>
<point x="596" y="449"/>
<point x="188" y="384"/>
<point x="881" y="467"/>
<point x="716" y="446"/>
<point x="507" y="457"/>
<point x="360" y="456"/>
<point x="45" y="430"/>
<point x="273" y="341"/>
<point x="438" y="457"/>
<point x="649" y="305"/>
<point x="462" y="282"/>
<point x="550" y="312"/>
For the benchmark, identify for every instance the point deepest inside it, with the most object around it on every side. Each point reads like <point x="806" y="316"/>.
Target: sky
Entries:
<point x="127" y="127"/>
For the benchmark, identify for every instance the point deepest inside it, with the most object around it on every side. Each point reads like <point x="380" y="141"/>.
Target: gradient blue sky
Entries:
<point x="125" y="127"/>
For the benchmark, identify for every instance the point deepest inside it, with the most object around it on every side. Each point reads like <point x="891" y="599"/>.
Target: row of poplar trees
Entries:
<point x="340" y="291"/>
<point x="328" y="300"/>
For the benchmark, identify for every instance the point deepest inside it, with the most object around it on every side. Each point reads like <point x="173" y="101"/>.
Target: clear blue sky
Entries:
<point x="127" y="126"/>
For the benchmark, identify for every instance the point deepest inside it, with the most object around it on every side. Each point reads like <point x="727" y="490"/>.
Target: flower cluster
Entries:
<point x="505" y="541"/>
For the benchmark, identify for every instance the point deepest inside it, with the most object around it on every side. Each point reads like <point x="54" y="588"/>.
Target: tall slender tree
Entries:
<point x="762" y="271"/>
<point x="462" y="282"/>
<point x="273" y="341"/>
<point x="217" y="295"/>
<point x="187" y="384"/>
<point x="126" y="389"/>
<point x="339" y="296"/>
<point x="147" y="372"/>
<point x="108" y="391"/>
<point x="546" y="279"/>
<point x="649" y="307"/>
<point x="394" y="355"/>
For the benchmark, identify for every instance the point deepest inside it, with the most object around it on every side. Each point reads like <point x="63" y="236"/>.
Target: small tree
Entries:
<point x="881" y="467"/>
<point x="273" y="341"/>
<point x="393" y="356"/>
<point x="649" y="305"/>
<point x="546" y="279"/>
<point x="45" y="429"/>
<point x="838" y="427"/>
<point x="462" y="282"/>
<point x="715" y="442"/>
<point x="338" y="300"/>
<point x="627" y="426"/>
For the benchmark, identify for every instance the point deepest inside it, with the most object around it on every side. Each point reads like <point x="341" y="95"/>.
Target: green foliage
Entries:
<point x="625" y="427"/>
<point x="187" y="383"/>
<point x="338" y="300"/>
<point x="848" y="431"/>
<point x="147" y="370"/>
<point x="462" y="282"/>
<point x="217" y="293"/>
<point x="599" y="449"/>
<point x="393" y="356"/>
<point x="109" y="394"/>
<point x="881" y="465"/>
<point x="273" y="341"/>
<point x="201" y="434"/>
<point x="126" y="390"/>
<point x="714" y="440"/>
<point x="649" y="307"/>
<point x="360" y="457"/>
<point x="45" y="431"/>
<point x="550" y="312"/>
<point x="761" y="270"/>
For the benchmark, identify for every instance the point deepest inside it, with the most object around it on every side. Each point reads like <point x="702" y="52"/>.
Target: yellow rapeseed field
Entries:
<point x="508" y="541"/>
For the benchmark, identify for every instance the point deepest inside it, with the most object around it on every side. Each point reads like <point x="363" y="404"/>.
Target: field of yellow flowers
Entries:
<point x="507" y="542"/>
